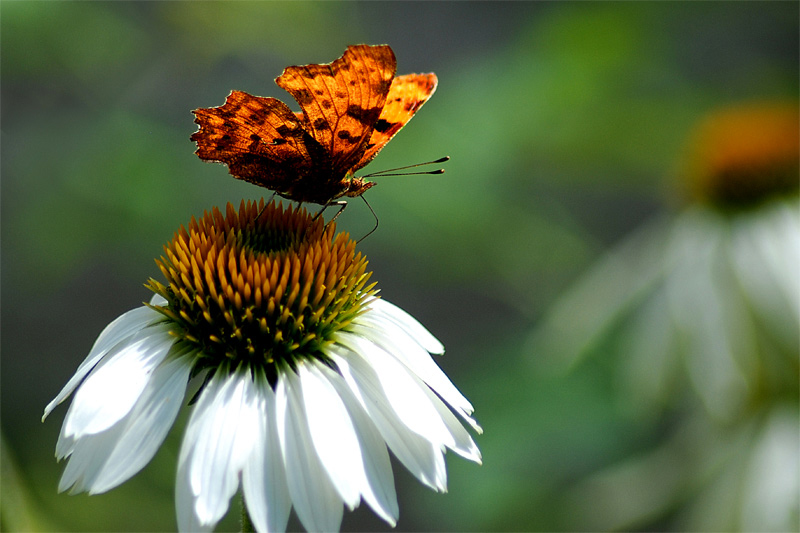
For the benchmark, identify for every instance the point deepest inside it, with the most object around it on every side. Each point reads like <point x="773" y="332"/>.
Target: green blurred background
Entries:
<point x="565" y="123"/>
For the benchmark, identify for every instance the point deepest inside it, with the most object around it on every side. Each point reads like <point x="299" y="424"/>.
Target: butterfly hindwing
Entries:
<point x="260" y="139"/>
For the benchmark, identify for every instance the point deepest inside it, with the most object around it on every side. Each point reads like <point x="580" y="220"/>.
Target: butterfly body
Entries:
<point x="350" y="109"/>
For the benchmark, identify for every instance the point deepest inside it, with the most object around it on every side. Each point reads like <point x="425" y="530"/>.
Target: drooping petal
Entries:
<point x="403" y="392"/>
<point x="222" y="432"/>
<point x="765" y="250"/>
<point x="116" y="332"/>
<point x="117" y="382"/>
<point x="409" y="324"/>
<point x="147" y="425"/>
<point x="101" y="461"/>
<point x="399" y="344"/>
<point x="315" y="499"/>
<point x="185" y="502"/>
<point x="717" y="343"/>
<point x="86" y="461"/>
<point x="332" y="433"/>
<point x="264" y="477"/>
<point x="424" y="460"/>
<point x="377" y="486"/>
<point x="463" y="444"/>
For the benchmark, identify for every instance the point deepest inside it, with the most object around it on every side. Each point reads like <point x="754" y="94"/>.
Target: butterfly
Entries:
<point x="350" y="109"/>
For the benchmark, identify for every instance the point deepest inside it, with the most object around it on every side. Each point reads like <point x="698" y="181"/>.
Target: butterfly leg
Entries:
<point x="376" y="221"/>
<point x="342" y="204"/>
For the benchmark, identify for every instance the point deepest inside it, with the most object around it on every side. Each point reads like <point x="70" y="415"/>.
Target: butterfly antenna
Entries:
<point x="374" y="215"/>
<point x="393" y="171"/>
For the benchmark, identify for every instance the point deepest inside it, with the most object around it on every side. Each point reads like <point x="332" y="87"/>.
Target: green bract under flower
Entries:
<point x="260" y="286"/>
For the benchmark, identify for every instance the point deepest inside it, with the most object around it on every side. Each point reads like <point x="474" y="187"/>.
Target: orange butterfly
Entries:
<point x="351" y="108"/>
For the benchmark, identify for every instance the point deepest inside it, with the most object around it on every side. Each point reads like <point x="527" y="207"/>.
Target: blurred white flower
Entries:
<point x="706" y="305"/>
<point x="309" y="380"/>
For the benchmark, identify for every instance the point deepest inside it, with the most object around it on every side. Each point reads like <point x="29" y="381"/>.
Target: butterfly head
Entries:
<point x="357" y="186"/>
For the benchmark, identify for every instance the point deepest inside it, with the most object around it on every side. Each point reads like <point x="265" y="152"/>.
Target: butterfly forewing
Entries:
<point x="343" y="100"/>
<point x="406" y="96"/>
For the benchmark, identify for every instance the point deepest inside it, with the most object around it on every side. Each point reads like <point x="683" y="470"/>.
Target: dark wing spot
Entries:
<point x="365" y="116"/>
<point x="310" y="74"/>
<point x="327" y="104"/>
<point x="383" y="125"/>
<point x="303" y="96"/>
<point x="319" y="92"/>
<point x="321" y="124"/>
<point x="285" y="131"/>
<point x="346" y="136"/>
<point x="341" y="95"/>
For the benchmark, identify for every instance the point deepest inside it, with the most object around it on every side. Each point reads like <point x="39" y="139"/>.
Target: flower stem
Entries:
<point x="247" y="524"/>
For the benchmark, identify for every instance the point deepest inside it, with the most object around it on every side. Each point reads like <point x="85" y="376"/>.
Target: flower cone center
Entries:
<point x="745" y="155"/>
<point x="260" y="286"/>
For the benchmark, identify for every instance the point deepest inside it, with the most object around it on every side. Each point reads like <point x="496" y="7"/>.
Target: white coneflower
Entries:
<point x="308" y="377"/>
<point x="709" y="299"/>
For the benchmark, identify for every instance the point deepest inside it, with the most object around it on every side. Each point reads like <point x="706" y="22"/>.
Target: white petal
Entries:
<point x="65" y="446"/>
<point x="378" y="484"/>
<point x="148" y="424"/>
<point x="711" y="319"/>
<point x="315" y="499"/>
<point x="584" y="313"/>
<point x="264" y="477"/>
<point x="121" y="328"/>
<point x="398" y="343"/>
<point x="222" y="432"/>
<point x="402" y="390"/>
<point x="408" y="323"/>
<point x="463" y="444"/>
<point x="766" y="255"/>
<point x="771" y="484"/>
<point x="114" y="386"/>
<point x="332" y="434"/>
<point x="101" y="461"/>
<point x="424" y="460"/>
<point x="650" y="348"/>
<point x="157" y="299"/>
<point x="185" y="502"/>
<point x="87" y="459"/>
